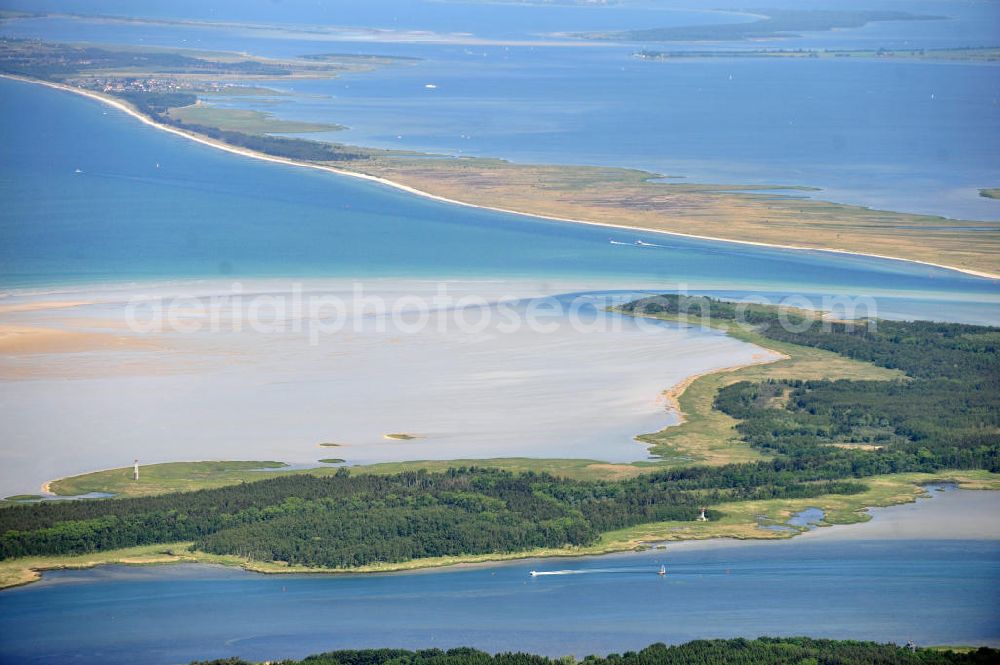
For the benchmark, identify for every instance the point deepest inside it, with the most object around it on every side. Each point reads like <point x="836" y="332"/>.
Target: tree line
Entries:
<point x="760" y="651"/>
<point x="944" y="415"/>
<point x="156" y="105"/>
<point x="354" y="520"/>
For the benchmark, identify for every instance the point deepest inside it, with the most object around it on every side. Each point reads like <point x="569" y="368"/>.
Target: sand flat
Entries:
<point x="36" y="305"/>
<point x="20" y="340"/>
<point x="253" y="394"/>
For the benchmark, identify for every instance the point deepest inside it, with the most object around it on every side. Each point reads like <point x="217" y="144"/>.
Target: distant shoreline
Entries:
<point x="126" y="108"/>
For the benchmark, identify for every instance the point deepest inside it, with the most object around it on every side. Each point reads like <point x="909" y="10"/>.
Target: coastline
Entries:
<point x="707" y="436"/>
<point x="839" y="510"/>
<point x="219" y="466"/>
<point x="126" y="108"/>
<point x="673" y="395"/>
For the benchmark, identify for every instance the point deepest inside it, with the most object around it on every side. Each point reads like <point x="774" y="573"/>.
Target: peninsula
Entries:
<point x="151" y="89"/>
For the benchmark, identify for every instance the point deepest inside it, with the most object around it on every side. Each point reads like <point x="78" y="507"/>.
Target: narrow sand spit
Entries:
<point x="122" y="106"/>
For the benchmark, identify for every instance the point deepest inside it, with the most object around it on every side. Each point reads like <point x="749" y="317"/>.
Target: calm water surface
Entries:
<point x="884" y="580"/>
<point x="157" y="206"/>
<point x="175" y="217"/>
<point x="155" y="209"/>
<point x="914" y="136"/>
<point x="149" y="211"/>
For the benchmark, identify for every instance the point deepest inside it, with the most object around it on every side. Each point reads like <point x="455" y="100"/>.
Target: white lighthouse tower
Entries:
<point x="135" y="470"/>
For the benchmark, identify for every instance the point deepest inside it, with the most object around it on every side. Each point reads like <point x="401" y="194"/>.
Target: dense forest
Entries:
<point x="943" y="415"/>
<point x="156" y="104"/>
<point x="946" y="414"/>
<point x="278" y="146"/>
<point x="761" y="651"/>
<point x="348" y="520"/>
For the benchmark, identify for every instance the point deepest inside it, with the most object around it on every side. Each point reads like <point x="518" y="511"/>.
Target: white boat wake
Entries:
<point x="638" y="243"/>
<point x="604" y="571"/>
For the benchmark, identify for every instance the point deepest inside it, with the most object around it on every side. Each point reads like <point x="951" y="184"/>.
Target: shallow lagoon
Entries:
<point x="888" y="579"/>
<point x="519" y="378"/>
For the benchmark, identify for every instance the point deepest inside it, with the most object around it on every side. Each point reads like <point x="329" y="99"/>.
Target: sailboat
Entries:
<point x="663" y="570"/>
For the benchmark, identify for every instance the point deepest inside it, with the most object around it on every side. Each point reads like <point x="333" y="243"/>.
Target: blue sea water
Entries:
<point x="149" y="207"/>
<point x="907" y="136"/>
<point x="92" y="195"/>
<point x="862" y="583"/>
<point x="961" y="21"/>
<point x="490" y="19"/>
<point x="915" y="136"/>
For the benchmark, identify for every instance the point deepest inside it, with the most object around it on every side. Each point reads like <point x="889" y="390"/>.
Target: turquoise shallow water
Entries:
<point x="148" y="206"/>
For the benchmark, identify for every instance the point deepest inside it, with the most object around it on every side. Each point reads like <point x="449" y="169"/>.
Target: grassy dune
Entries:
<point x="628" y="197"/>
